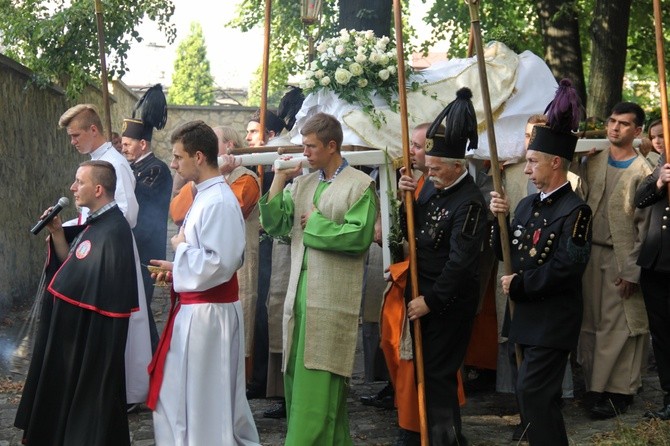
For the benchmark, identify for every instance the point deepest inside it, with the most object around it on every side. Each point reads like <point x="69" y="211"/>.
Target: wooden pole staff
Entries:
<point x="103" y="68"/>
<point x="660" y="59"/>
<point x="409" y="209"/>
<point x="493" y="149"/>
<point x="264" y="78"/>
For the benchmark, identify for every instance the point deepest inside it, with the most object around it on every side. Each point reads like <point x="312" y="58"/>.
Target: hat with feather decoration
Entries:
<point x="459" y="131"/>
<point x="149" y="113"/>
<point x="556" y="137"/>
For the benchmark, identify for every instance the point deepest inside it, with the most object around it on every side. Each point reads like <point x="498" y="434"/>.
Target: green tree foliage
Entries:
<point x="192" y="81"/>
<point x="516" y="24"/>
<point x="288" y="41"/>
<point x="57" y="39"/>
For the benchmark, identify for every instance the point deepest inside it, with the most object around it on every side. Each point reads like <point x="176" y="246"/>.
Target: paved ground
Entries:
<point x="488" y="418"/>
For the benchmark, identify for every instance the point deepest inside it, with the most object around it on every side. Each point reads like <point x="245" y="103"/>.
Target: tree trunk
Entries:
<point x="560" y="34"/>
<point x="371" y="14"/>
<point x="609" y="36"/>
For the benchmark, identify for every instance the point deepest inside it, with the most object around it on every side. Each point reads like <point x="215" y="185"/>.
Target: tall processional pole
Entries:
<point x="409" y="209"/>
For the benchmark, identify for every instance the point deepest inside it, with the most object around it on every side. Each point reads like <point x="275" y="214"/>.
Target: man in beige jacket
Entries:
<point x="614" y="329"/>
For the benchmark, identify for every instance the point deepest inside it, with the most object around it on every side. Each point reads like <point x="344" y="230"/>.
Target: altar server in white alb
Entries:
<point x="197" y="388"/>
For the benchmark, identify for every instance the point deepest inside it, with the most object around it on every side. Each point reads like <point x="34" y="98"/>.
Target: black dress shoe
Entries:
<point x="520" y="433"/>
<point x="611" y="405"/>
<point x="408" y="438"/>
<point x="661" y="414"/>
<point x="384" y="399"/>
<point x="277" y="411"/>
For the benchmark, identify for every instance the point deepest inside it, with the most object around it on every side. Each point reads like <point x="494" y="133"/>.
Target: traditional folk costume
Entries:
<point x="550" y="241"/>
<point x="153" y="189"/>
<point x="197" y="374"/>
<point x="323" y="300"/>
<point x="75" y="391"/>
<point x="153" y="186"/>
<point x="449" y="228"/>
<point x="244" y="184"/>
<point x="517" y="186"/>
<point x="654" y="260"/>
<point x="615" y="330"/>
<point x="279" y="278"/>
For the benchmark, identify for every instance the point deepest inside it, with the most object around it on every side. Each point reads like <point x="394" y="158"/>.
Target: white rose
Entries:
<point x="360" y="41"/>
<point x="309" y="74"/>
<point x="313" y="65"/>
<point x="339" y="50"/>
<point x="383" y="59"/>
<point x="356" y="69"/>
<point x="309" y="83"/>
<point x="319" y="74"/>
<point x="342" y="76"/>
<point x="345" y="38"/>
<point x="384" y="74"/>
<point x="322" y="47"/>
<point x="360" y="58"/>
<point x="391" y="69"/>
<point x="369" y="34"/>
<point x="325" y="81"/>
<point x="374" y="57"/>
<point x="362" y="82"/>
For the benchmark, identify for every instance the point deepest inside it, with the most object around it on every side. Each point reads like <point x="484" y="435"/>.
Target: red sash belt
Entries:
<point x="221" y="294"/>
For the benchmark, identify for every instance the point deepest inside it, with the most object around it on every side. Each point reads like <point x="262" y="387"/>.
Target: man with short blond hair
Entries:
<point x="330" y="216"/>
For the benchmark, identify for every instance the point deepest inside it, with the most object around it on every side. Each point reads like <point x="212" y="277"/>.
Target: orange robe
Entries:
<point x="245" y="188"/>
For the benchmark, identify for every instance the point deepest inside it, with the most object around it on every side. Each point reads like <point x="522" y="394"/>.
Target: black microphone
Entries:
<point x="50" y="216"/>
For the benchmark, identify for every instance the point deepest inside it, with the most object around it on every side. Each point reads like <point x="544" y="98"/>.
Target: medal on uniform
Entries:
<point x="536" y="238"/>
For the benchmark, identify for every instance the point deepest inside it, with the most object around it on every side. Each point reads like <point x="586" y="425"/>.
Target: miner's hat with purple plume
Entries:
<point x="149" y="112"/>
<point x="460" y="127"/>
<point x="556" y="137"/>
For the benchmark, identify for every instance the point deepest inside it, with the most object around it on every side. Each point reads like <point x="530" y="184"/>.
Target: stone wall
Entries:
<point x="37" y="164"/>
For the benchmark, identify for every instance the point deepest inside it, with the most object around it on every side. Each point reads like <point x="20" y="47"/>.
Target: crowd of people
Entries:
<point x="273" y="270"/>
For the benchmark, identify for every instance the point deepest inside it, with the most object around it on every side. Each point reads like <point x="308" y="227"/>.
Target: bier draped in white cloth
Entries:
<point x="519" y="85"/>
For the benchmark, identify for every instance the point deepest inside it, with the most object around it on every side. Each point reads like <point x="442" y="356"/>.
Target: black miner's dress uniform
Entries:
<point x="450" y="228"/>
<point x="655" y="275"/>
<point x="550" y="246"/>
<point x="449" y="231"/>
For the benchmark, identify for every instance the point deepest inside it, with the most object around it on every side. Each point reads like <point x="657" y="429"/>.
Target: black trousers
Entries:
<point x="538" y="390"/>
<point x="445" y="341"/>
<point x="656" y="291"/>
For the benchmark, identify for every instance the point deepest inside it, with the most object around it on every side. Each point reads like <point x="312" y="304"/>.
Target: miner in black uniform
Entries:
<point x="655" y="274"/>
<point x="153" y="186"/>
<point x="450" y="217"/>
<point x="550" y="239"/>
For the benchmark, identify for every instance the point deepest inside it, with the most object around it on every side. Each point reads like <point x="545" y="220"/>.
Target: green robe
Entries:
<point x="316" y="399"/>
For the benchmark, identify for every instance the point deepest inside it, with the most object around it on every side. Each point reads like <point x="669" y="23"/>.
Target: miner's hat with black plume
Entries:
<point x="556" y="137"/>
<point x="290" y="105"/>
<point x="460" y="127"/>
<point x="150" y="113"/>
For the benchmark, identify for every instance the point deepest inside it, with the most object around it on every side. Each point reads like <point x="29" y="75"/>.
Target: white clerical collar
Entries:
<point x="543" y="195"/>
<point x="100" y="151"/>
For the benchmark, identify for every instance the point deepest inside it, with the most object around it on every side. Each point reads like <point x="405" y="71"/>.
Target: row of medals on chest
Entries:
<point x="532" y="252"/>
